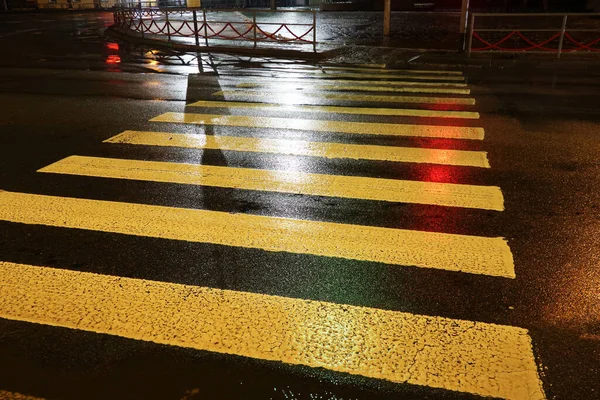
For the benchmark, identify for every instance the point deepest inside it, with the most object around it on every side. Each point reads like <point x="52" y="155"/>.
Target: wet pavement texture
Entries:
<point x="64" y="98"/>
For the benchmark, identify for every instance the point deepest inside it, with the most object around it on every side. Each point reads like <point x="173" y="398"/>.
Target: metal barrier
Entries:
<point x="199" y="23"/>
<point x="559" y="39"/>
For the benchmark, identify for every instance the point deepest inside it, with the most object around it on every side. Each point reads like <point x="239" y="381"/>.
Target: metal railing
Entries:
<point x="558" y="39"/>
<point x="201" y="24"/>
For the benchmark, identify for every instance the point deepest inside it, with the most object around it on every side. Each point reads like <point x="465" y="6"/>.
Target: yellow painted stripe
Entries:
<point x="323" y="75"/>
<point x="5" y="395"/>
<point x="303" y="148"/>
<point x="297" y="97"/>
<point x="360" y="128"/>
<point x="401" y="112"/>
<point x="462" y="356"/>
<point x="312" y="81"/>
<point x="394" y="71"/>
<point x="356" y="88"/>
<point x="372" y="65"/>
<point x="325" y="67"/>
<point x="471" y="254"/>
<point x="352" y="187"/>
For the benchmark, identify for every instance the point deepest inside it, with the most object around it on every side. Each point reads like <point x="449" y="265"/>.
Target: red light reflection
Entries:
<point x="113" y="59"/>
<point x="445" y="107"/>
<point x="440" y="173"/>
<point x="112" y="46"/>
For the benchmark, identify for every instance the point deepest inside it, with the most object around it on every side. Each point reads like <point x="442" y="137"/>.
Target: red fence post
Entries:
<point x="205" y="27"/>
<point x="562" y="36"/>
<point x="141" y="25"/>
<point x="254" y="25"/>
<point x="167" y="22"/>
<point x="464" y="12"/>
<point x="387" y="17"/>
<point x="314" y="31"/>
<point x="471" y="29"/>
<point x="196" y="28"/>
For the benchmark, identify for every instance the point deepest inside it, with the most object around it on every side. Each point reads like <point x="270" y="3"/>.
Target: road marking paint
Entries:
<point x="458" y="355"/>
<point x="470" y="254"/>
<point x="296" y="97"/>
<point x="394" y="71"/>
<point x="357" y="88"/>
<point x="388" y="76"/>
<point x="325" y="68"/>
<point x="360" y="128"/>
<point x="312" y="81"/>
<point x="352" y="187"/>
<point x="18" y="32"/>
<point x="380" y="65"/>
<point x="304" y="148"/>
<point x="372" y="65"/>
<point x="5" y="395"/>
<point x="319" y="74"/>
<point x="589" y="336"/>
<point x="401" y="112"/>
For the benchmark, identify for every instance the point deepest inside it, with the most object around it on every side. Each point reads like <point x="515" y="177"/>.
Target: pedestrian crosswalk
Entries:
<point x="456" y="355"/>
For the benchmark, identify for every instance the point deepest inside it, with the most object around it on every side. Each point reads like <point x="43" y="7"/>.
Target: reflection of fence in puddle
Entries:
<point x="229" y="26"/>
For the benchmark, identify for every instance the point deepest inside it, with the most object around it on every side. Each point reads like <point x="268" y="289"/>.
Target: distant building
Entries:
<point x="75" y="4"/>
<point x="478" y="5"/>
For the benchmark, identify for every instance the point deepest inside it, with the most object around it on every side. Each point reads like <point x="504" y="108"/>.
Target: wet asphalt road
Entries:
<point x="64" y="99"/>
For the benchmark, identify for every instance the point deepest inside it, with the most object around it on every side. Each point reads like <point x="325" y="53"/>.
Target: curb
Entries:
<point x="502" y="61"/>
